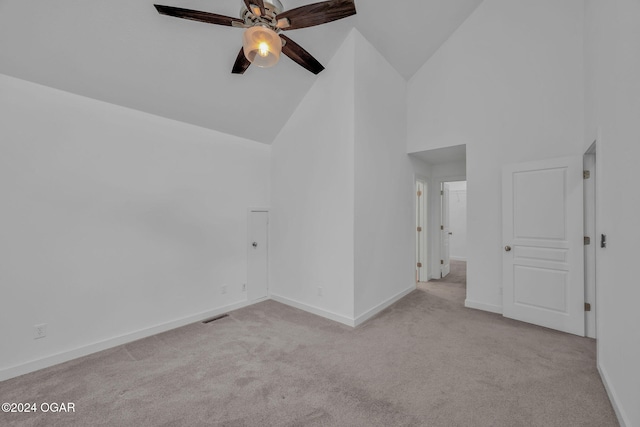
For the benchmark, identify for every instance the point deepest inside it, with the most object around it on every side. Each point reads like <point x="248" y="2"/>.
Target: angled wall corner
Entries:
<point x="342" y="198"/>
<point x="384" y="200"/>
<point x="311" y="225"/>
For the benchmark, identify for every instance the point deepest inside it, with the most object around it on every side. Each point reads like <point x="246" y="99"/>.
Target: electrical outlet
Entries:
<point x="39" y="331"/>
<point x="223" y="289"/>
<point x="319" y="291"/>
<point x="244" y="287"/>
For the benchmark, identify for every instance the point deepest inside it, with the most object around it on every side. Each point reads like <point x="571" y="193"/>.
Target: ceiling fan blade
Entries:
<point x="300" y="56"/>
<point x="259" y="3"/>
<point x="242" y="63"/>
<point x="196" y="15"/>
<point x="317" y="13"/>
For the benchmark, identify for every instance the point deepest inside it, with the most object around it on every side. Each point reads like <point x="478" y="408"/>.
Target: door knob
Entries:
<point x="507" y="248"/>
<point x="255" y="244"/>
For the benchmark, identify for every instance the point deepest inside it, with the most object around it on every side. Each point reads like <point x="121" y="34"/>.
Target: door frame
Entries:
<point x="445" y="229"/>
<point x="425" y="214"/>
<point x="591" y="230"/>
<point x="248" y="238"/>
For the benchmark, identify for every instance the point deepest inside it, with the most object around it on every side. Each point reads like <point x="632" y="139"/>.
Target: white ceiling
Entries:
<point x="408" y="32"/>
<point x="124" y="52"/>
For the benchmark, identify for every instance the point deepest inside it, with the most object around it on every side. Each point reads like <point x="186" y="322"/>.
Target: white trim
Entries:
<point x="458" y="258"/>
<point x="427" y="238"/>
<point x="622" y="418"/>
<point x="86" y="350"/>
<point x="378" y="308"/>
<point x="315" y="310"/>
<point x="483" y="306"/>
<point x="590" y="251"/>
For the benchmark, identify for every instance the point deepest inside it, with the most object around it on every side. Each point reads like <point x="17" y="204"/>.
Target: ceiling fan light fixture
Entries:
<point x="264" y="21"/>
<point x="262" y="46"/>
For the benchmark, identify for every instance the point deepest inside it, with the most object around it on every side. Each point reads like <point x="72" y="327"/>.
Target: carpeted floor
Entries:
<point x="457" y="273"/>
<point x="426" y="361"/>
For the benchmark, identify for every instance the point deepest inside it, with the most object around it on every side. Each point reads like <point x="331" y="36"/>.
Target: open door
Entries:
<point x="543" y="264"/>
<point x="445" y="231"/>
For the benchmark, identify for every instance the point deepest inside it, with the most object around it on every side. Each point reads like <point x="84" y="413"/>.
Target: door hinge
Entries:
<point x="419" y="265"/>
<point x="587" y="240"/>
<point x="419" y="229"/>
<point x="586" y="174"/>
<point x="587" y="306"/>
<point x="442" y="192"/>
<point x="442" y="262"/>
<point x="442" y="227"/>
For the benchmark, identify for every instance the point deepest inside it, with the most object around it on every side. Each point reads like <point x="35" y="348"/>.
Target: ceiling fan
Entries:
<point x="263" y="21"/>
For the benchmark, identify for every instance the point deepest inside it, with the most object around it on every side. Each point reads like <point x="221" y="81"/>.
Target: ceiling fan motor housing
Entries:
<point x="254" y="17"/>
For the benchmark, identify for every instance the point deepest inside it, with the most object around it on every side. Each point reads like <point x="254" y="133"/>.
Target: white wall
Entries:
<point x="458" y="220"/>
<point x="612" y="110"/>
<point x="509" y="84"/>
<point x="113" y="222"/>
<point x="343" y="203"/>
<point x="420" y="167"/>
<point x="384" y="184"/>
<point x="312" y="229"/>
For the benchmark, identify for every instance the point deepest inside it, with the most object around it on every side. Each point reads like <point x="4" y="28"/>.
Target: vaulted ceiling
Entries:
<point x="125" y="53"/>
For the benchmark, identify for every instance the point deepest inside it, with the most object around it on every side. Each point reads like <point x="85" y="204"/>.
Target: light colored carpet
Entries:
<point x="426" y="361"/>
<point x="457" y="273"/>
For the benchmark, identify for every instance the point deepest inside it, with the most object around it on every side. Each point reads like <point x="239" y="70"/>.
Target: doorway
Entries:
<point x="453" y="229"/>
<point x="449" y="279"/>
<point x="431" y="169"/>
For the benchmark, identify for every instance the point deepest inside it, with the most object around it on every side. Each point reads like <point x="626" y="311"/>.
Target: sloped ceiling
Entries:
<point x="409" y="32"/>
<point x="125" y="53"/>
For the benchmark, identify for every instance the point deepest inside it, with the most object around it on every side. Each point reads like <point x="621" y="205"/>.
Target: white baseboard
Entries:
<point x="483" y="306"/>
<point x="315" y="310"/>
<point x="65" y="356"/>
<point x="378" y="308"/>
<point x="622" y="418"/>
<point x="457" y="258"/>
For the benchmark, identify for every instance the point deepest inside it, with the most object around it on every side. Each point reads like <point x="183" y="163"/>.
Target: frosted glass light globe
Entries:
<point x="262" y="46"/>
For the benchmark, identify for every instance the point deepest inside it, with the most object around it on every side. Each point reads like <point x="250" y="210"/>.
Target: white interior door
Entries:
<point x="445" y="231"/>
<point x="257" y="275"/>
<point x="543" y="276"/>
